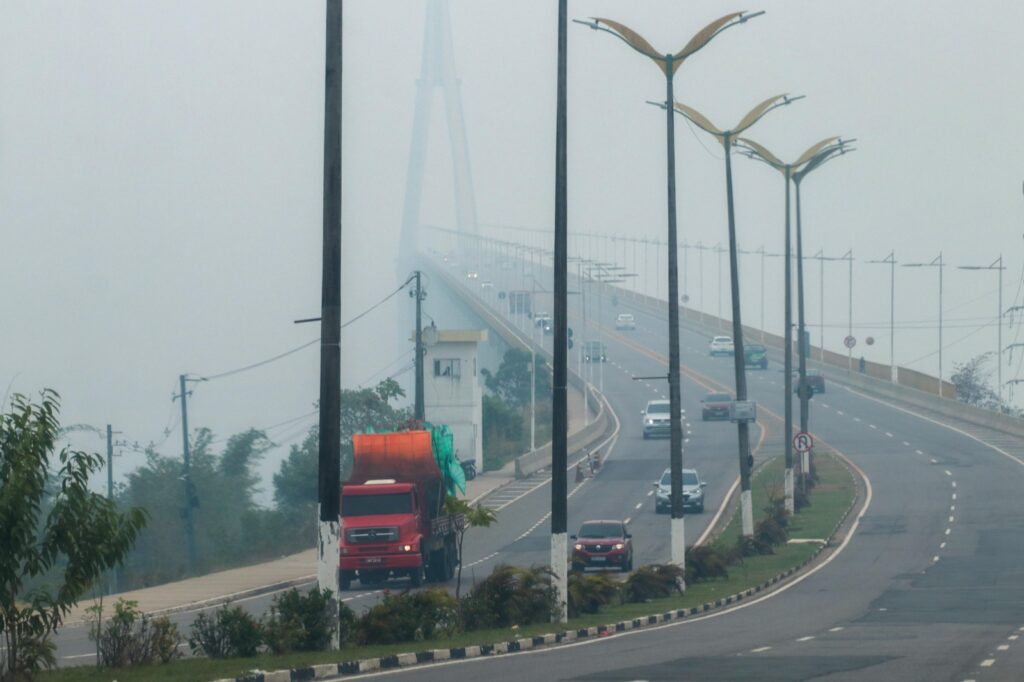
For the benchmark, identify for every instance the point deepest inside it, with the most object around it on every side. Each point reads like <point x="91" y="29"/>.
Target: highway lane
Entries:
<point x="886" y="608"/>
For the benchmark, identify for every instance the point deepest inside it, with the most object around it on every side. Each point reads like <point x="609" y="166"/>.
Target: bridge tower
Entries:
<point x="437" y="72"/>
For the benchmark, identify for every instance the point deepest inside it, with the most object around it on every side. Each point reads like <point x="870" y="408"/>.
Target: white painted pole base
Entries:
<point x="747" y="512"/>
<point x="560" y="567"/>
<point x="805" y="461"/>
<point x="789" y="491"/>
<point x="678" y="541"/>
<point x="328" y="560"/>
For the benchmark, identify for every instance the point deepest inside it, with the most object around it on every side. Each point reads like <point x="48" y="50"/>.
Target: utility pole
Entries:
<point x="189" y="495"/>
<point x="329" y="455"/>
<point x="419" y="410"/>
<point x="110" y="463"/>
<point x="559" y="406"/>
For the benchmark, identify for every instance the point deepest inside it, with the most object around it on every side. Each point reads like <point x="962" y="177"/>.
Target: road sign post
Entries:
<point x="803" y="443"/>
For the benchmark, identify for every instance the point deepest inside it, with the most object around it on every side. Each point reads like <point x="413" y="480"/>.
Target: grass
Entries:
<point x="829" y="501"/>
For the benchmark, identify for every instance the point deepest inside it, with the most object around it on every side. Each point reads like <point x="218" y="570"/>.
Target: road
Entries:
<point x="929" y="588"/>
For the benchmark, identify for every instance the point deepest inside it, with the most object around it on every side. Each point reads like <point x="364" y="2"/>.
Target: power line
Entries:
<point x="285" y="354"/>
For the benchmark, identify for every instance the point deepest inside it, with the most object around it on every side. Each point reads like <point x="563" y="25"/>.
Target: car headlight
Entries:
<point x="578" y="546"/>
<point x="619" y="545"/>
<point x="648" y="421"/>
<point x="696" y="493"/>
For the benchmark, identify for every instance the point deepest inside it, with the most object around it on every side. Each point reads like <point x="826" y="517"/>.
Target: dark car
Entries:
<point x="602" y="544"/>
<point x="593" y="351"/>
<point x="715" y="406"/>
<point x="755" y="355"/>
<point x="815" y="381"/>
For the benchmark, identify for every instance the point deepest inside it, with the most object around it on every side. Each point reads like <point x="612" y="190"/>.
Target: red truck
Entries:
<point x="392" y="518"/>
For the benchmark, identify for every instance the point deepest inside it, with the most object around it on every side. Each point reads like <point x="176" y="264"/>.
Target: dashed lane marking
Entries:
<point x="906" y="444"/>
<point x="1002" y="647"/>
<point x="948" y="531"/>
<point x="888" y="434"/>
<point x="872" y="426"/>
<point x="639" y="504"/>
<point x="760" y="649"/>
<point x="836" y="629"/>
<point x="805" y="639"/>
<point x="840" y="412"/>
<point x="948" y="472"/>
<point x="987" y="663"/>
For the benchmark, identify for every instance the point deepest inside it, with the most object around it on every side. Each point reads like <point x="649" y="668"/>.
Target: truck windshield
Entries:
<point x="372" y="505"/>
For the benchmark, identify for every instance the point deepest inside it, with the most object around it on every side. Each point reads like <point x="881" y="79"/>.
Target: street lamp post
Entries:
<point x="997" y="265"/>
<point x="821" y="150"/>
<point x="935" y="263"/>
<point x="890" y="260"/>
<point x="669" y="63"/>
<point x="727" y="137"/>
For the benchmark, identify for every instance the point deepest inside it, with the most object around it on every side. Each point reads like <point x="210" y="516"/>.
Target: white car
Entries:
<point x="721" y="345"/>
<point x="625" y="321"/>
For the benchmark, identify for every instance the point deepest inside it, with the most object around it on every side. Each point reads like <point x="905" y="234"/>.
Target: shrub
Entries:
<point x="706" y="562"/>
<point x="231" y="632"/>
<point x="511" y="596"/>
<point x="347" y="624"/>
<point x="588" y="593"/>
<point x="130" y="637"/>
<point x="300" y="622"/>
<point x="771" y="530"/>
<point x="751" y="546"/>
<point x="653" y="582"/>
<point x="409" y="616"/>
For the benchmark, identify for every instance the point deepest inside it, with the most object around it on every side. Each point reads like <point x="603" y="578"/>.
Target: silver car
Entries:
<point x="693" y="492"/>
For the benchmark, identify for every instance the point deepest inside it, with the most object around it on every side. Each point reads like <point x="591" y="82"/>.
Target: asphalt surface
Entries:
<point x="931" y="586"/>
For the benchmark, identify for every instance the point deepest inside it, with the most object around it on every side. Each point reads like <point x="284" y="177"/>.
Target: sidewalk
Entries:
<point x="288" y="571"/>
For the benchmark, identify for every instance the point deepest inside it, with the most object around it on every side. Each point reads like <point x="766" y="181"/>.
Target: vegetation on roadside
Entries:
<point x="506" y="408"/>
<point x="51" y="524"/>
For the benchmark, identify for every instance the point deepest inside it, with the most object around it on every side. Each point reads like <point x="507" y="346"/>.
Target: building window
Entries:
<point x="447" y="368"/>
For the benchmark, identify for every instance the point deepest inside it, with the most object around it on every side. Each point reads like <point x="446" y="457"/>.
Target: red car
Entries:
<point x="715" y="406"/>
<point x="602" y="544"/>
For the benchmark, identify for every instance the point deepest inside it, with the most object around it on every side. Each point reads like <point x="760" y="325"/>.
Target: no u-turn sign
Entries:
<point x="803" y="442"/>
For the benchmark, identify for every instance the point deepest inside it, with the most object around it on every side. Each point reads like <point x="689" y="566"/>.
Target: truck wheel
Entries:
<point x="418" y="575"/>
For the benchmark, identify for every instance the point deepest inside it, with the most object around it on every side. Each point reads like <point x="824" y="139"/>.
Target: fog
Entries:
<point x="160" y="181"/>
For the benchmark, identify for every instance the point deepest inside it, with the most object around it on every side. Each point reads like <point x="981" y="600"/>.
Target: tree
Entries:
<point x="971" y="382"/>
<point x="511" y="382"/>
<point x="464" y="516"/>
<point x="83" y="534"/>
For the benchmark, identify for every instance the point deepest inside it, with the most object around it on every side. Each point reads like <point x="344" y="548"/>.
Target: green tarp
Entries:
<point x="444" y="453"/>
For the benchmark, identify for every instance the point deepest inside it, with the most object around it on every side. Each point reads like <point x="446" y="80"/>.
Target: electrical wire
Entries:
<point x="285" y="354"/>
<point x="950" y="344"/>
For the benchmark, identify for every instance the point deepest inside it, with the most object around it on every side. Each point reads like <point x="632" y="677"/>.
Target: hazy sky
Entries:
<point x="160" y="177"/>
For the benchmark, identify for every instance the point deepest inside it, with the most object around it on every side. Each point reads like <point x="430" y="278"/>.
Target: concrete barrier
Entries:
<point x="540" y="458"/>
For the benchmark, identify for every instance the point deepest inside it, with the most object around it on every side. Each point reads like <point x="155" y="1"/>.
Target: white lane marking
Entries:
<point x="934" y="461"/>
<point x="987" y="663"/>
<point x="650" y="493"/>
<point x="836" y="629"/>
<point x="639" y="504"/>
<point x="952" y="507"/>
<point x="805" y="639"/>
<point x="872" y="426"/>
<point x="1002" y="647"/>
<point x="760" y="649"/>
<point x="954" y="484"/>
<point x="918" y="452"/>
<point x="935" y="558"/>
<point x="839" y="412"/>
<point x="951" y="519"/>
<point x="825" y="405"/>
<point x="906" y="444"/>
<point x="1012" y="638"/>
<point x="942" y="545"/>
<point x="948" y="531"/>
<point x="948" y="472"/>
<point x="888" y="434"/>
<point x="954" y="496"/>
<point x="628" y="519"/>
<point x="856" y="419"/>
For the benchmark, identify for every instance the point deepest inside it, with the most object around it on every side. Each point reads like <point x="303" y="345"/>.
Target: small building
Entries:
<point x="452" y="393"/>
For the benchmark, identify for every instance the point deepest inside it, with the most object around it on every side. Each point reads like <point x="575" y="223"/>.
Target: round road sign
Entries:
<point x="849" y="342"/>
<point x="803" y="442"/>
